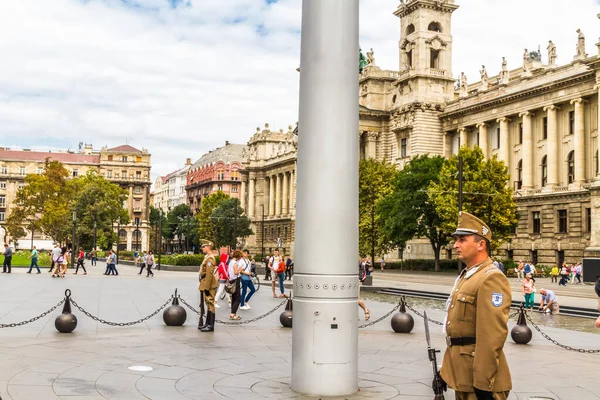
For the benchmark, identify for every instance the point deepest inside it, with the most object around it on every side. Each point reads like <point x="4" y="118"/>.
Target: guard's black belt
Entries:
<point x="460" y="341"/>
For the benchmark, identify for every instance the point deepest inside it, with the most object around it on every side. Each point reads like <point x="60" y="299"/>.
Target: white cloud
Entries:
<point x="180" y="81"/>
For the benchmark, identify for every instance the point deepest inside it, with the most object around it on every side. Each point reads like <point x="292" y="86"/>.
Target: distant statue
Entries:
<point x="463" y="85"/>
<point x="551" y="53"/>
<point x="504" y="74"/>
<point x="371" y="57"/>
<point x="484" y="79"/>
<point x="580" y="45"/>
<point x="362" y="61"/>
<point x="526" y="68"/>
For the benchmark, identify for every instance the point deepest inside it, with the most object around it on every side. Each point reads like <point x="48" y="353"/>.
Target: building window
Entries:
<point x="520" y="133"/>
<point x="137" y="190"/>
<point x="235" y="175"/>
<point x="220" y="187"/>
<point x="124" y="158"/>
<point x="40" y="170"/>
<point x="220" y="175"/>
<point x="545" y="128"/>
<point x="537" y="221"/>
<point x="4" y="170"/>
<point x="123" y="174"/>
<point x="403" y="151"/>
<point x="234" y="189"/>
<point x="21" y="170"/>
<point x="3" y="201"/>
<point x="434" y="61"/>
<point x="497" y="138"/>
<point x="137" y="221"/>
<point x="544" y="171"/>
<point x="533" y="256"/>
<point x="596" y="162"/>
<point x="138" y="159"/>
<point x="410" y="29"/>
<point x="409" y="59"/>
<point x="571" y="122"/>
<point x="562" y="221"/>
<point x="571" y="167"/>
<point x="519" y="181"/>
<point x="3" y="185"/>
<point x="434" y="27"/>
<point x="2" y="216"/>
<point x="588" y="219"/>
<point x="109" y="173"/>
<point x="510" y="254"/>
<point x="21" y="185"/>
<point x="75" y="173"/>
<point x="110" y="158"/>
<point x="138" y="175"/>
<point x="285" y="233"/>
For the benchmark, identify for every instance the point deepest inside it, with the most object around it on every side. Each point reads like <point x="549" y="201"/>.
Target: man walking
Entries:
<point x="476" y="322"/>
<point x="34" y="261"/>
<point x="289" y="268"/>
<point x="7" y="259"/>
<point x="56" y="251"/>
<point x="208" y="284"/>
<point x="277" y="269"/>
<point x="111" y="264"/>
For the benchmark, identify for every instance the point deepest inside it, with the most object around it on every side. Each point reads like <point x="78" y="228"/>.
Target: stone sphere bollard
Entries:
<point x="521" y="333"/>
<point x="174" y="315"/>
<point x="402" y="322"/>
<point x="66" y="322"/>
<point x="286" y="316"/>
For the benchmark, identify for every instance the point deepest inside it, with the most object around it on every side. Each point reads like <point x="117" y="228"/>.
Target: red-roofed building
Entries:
<point x="125" y="165"/>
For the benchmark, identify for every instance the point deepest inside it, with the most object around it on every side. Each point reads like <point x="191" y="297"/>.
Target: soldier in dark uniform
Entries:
<point x="477" y="315"/>
<point x="208" y="284"/>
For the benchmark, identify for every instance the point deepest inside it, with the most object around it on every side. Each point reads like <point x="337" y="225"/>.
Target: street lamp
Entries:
<point x="159" y="237"/>
<point x="137" y="234"/>
<point x="262" y="206"/>
<point x="73" y="241"/>
<point x="94" y="234"/>
<point x="118" y="236"/>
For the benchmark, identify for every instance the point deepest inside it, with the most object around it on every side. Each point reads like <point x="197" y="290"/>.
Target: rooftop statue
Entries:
<point x="551" y="53"/>
<point x="484" y="79"/>
<point x="580" y="45"/>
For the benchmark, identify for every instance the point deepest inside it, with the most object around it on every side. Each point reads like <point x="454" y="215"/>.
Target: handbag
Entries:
<point x="230" y="286"/>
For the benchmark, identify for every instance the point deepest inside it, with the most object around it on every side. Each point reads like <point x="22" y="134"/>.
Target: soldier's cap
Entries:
<point x="204" y="242"/>
<point x="468" y="224"/>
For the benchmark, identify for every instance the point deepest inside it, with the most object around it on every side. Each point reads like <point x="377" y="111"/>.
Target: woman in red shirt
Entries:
<point x="223" y="277"/>
<point x="80" y="258"/>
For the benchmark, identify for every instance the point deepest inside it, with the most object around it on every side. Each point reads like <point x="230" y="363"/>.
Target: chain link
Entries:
<point x="139" y="321"/>
<point x="513" y="314"/>
<point x="537" y="328"/>
<point x="239" y="322"/>
<point x="15" y="324"/>
<point x="422" y="316"/>
<point x="382" y="318"/>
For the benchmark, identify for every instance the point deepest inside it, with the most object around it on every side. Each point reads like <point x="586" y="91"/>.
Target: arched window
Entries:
<point x="410" y="29"/>
<point x="519" y="180"/>
<point x="435" y="27"/>
<point x="123" y="235"/>
<point x="544" y="171"/>
<point x="137" y="240"/>
<point x="571" y="167"/>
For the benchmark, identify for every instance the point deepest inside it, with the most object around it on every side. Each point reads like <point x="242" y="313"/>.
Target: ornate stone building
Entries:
<point x="269" y="189"/>
<point x="123" y="165"/>
<point x="169" y="190"/>
<point x="541" y="119"/>
<point x="217" y="170"/>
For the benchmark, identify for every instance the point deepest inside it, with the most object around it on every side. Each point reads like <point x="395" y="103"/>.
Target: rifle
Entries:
<point x="438" y="385"/>
<point x="201" y="320"/>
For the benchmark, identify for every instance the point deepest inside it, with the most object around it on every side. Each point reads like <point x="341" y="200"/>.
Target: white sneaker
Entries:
<point x="247" y="306"/>
<point x="217" y="306"/>
<point x="244" y="307"/>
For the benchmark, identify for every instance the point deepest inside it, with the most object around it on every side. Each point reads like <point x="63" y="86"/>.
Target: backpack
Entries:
<point x="362" y="272"/>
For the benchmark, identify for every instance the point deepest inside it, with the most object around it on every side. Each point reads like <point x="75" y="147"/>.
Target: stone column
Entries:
<point x="483" y="142"/>
<point x="371" y="145"/>
<point x="292" y="192"/>
<point x="243" y="197"/>
<point x="251" y="194"/>
<point x="285" y="201"/>
<point x="278" y="195"/>
<point x="325" y="329"/>
<point x="463" y="137"/>
<point x="527" y="150"/>
<point x="579" y="142"/>
<point x="552" y="146"/>
<point x="504" y="144"/>
<point x="271" y="196"/>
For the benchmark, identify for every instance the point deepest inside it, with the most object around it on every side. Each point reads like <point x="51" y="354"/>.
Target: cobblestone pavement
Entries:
<point x="243" y="362"/>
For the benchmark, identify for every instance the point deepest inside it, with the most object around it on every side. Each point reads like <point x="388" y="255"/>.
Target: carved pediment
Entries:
<point x="405" y="45"/>
<point x="436" y="42"/>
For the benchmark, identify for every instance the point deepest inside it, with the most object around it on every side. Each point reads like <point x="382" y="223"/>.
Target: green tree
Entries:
<point x="98" y="201"/>
<point x="43" y="204"/>
<point x="375" y="182"/>
<point x="206" y="225"/>
<point x="231" y="223"/>
<point x="486" y="194"/>
<point x="181" y="224"/>
<point x="407" y="212"/>
<point x="155" y="217"/>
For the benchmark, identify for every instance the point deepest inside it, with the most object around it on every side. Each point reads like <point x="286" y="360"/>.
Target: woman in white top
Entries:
<point x="246" y="279"/>
<point x="235" y="268"/>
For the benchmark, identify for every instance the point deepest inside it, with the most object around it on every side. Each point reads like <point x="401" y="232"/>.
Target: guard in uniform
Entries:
<point x="208" y="284"/>
<point x="476" y="327"/>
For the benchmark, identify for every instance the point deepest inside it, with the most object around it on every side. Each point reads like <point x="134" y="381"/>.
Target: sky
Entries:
<point x="180" y="77"/>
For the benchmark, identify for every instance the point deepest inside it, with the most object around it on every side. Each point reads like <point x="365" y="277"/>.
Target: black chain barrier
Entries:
<point x="382" y="318"/>
<point x="102" y="321"/>
<point x="238" y="322"/>
<point x="537" y="328"/>
<point x="422" y="316"/>
<point x="15" y="324"/>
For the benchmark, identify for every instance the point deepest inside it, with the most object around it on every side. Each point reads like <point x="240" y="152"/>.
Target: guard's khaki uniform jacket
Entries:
<point x="208" y="280"/>
<point x="479" y="306"/>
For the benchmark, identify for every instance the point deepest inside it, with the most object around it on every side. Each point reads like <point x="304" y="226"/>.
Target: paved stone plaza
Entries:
<point x="243" y="362"/>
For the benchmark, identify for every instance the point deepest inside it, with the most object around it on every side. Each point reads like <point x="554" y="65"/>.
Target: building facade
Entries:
<point x="124" y="165"/>
<point x="217" y="170"/>
<point x="541" y="119"/>
<point x="269" y="190"/>
<point x="169" y="190"/>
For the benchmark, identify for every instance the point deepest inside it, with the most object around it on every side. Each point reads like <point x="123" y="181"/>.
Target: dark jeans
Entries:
<point x="236" y="297"/>
<point x="267" y="273"/>
<point x="247" y="283"/>
<point x="562" y="281"/>
<point x="553" y="279"/>
<point x="150" y="270"/>
<point x="80" y="264"/>
<point x="289" y="272"/>
<point x="34" y="264"/>
<point x="94" y="259"/>
<point x="142" y="268"/>
<point x="578" y="276"/>
<point x="111" y="269"/>
<point x="6" y="265"/>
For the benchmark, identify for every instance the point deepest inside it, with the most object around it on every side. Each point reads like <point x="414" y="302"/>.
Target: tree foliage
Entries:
<point x="375" y="182"/>
<point x="206" y="225"/>
<point x="407" y="213"/>
<point x="231" y="223"/>
<point x="181" y="224"/>
<point x="486" y="194"/>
